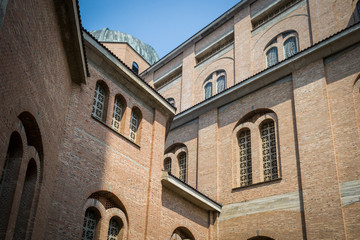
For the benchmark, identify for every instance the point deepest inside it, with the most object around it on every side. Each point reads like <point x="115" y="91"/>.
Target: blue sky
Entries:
<point x="164" y="24"/>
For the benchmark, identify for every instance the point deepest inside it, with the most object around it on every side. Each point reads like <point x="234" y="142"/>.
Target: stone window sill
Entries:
<point x="235" y="189"/>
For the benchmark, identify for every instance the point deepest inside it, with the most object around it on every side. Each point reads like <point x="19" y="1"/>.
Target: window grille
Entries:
<point x="182" y="167"/>
<point x="272" y="56"/>
<point x="245" y="158"/>
<point x="135" y="67"/>
<point x="99" y="101"/>
<point x="89" y="227"/>
<point x="167" y="165"/>
<point x="220" y="84"/>
<point x="290" y="47"/>
<point x="114" y="229"/>
<point x="118" y="111"/>
<point x="133" y="125"/>
<point x="109" y="204"/>
<point x="208" y="90"/>
<point x="269" y="151"/>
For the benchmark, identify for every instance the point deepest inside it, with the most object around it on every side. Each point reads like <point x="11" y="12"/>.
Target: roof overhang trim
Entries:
<point x="189" y="193"/>
<point x="135" y="79"/>
<point x="323" y="49"/>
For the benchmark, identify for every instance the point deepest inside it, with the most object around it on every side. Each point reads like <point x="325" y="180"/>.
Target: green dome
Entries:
<point x="145" y="50"/>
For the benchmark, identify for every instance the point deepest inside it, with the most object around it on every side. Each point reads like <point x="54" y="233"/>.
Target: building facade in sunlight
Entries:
<point x="247" y="130"/>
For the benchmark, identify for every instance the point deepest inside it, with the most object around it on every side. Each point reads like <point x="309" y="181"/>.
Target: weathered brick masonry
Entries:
<point x="270" y="151"/>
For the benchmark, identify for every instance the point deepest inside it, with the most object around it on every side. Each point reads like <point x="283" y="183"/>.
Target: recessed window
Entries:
<point x="134" y="124"/>
<point x="135" y="67"/>
<point x="220" y="84"/>
<point x="114" y="229"/>
<point x="208" y="90"/>
<point x="99" y="104"/>
<point x="117" y="114"/>
<point x="244" y="141"/>
<point x="267" y="132"/>
<point x="167" y="165"/>
<point x="89" y="227"/>
<point x="272" y="56"/>
<point x="290" y="47"/>
<point x="182" y="166"/>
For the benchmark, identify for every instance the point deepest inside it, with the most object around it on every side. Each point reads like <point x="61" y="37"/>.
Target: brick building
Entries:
<point x="247" y="130"/>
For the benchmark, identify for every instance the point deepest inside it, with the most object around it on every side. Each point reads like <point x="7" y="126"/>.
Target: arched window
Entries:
<point x="244" y="141"/>
<point x="220" y="84"/>
<point x="99" y="101"/>
<point x="134" y="124"/>
<point x="114" y="229"/>
<point x="135" y="67"/>
<point x="208" y="90"/>
<point x="272" y="56"/>
<point x="167" y="164"/>
<point x="117" y="114"/>
<point x="90" y="222"/>
<point x="171" y="101"/>
<point x="9" y="178"/>
<point x="267" y="132"/>
<point x="290" y="47"/>
<point x="27" y="197"/>
<point x="182" y="166"/>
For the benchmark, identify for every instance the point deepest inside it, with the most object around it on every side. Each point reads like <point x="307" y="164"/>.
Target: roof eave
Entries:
<point x="196" y="37"/>
<point x="333" y="44"/>
<point x="135" y="80"/>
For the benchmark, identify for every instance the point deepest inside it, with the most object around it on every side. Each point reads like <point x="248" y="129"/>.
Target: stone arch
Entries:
<point x="108" y="205"/>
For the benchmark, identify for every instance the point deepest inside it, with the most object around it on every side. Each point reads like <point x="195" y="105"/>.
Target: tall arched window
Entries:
<point x="134" y="124"/>
<point x="267" y="132"/>
<point x="272" y="56"/>
<point x="90" y="222"/>
<point x="167" y="164"/>
<point x="290" y="47"/>
<point x="244" y="141"/>
<point x="9" y="179"/>
<point x="208" y="90"/>
<point x="114" y="229"/>
<point x="182" y="166"/>
<point x="99" y="101"/>
<point x="220" y="83"/>
<point x="27" y="198"/>
<point x="135" y="67"/>
<point x="117" y="114"/>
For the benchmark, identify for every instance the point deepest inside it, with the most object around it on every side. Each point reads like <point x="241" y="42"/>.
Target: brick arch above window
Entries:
<point x="247" y="149"/>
